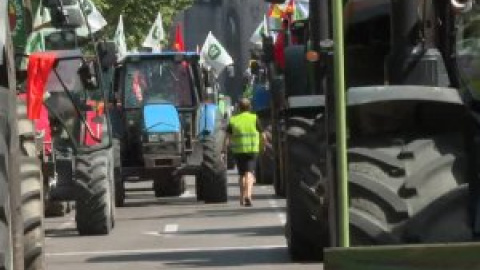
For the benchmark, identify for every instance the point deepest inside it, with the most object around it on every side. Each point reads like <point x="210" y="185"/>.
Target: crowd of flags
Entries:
<point x="294" y="10"/>
<point x="212" y="52"/>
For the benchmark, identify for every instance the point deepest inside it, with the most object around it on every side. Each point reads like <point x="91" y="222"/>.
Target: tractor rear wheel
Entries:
<point x="7" y="213"/>
<point x="265" y="171"/>
<point x="94" y="212"/>
<point x="306" y="227"/>
<point x="31" y="188"/>
<point x="213" y="174"/>
<point x="117" y="174"/>
<point x="400" y="187"/>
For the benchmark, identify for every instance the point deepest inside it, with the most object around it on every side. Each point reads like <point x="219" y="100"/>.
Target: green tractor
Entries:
<point x="392" y="160"/>
<point x="68" y="85"/>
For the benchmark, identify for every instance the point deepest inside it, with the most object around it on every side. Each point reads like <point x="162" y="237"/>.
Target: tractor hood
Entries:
<point x="160" y="118"/>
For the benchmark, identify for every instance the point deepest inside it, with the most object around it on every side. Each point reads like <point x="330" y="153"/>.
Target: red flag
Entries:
<point x="279" y="51"/>
<point x="179" y="44"/>
<point x="39" y="67"/>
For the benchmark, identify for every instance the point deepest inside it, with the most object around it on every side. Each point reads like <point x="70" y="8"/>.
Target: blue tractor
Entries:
<point x="166" y="127"/>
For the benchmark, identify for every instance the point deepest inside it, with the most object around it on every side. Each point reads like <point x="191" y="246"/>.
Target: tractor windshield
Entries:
<point x="78" y="109"/>
<point x="468" y="51"/>
<point x="158" y="81"/>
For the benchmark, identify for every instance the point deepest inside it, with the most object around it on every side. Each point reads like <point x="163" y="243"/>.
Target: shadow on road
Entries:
<point x="243" y="231"/>
<point x="67" y="232"/>
<point x="204" y="258"/>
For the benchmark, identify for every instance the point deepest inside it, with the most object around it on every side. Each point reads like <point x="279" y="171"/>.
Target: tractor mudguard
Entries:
<point x="380" y="109"/>
<point x="207" y="119"/>
<point x="357" y="96"/>
<point x="161" y="118"/>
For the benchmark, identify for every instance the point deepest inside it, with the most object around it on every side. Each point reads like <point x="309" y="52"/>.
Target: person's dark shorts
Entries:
<point x="246" y="163"/>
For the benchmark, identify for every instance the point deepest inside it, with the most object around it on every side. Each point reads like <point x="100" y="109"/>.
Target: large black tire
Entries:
<point x="230" y="160"/>
<point x="6" y="211"/>
<point x="408" y="189"/>
<point x="173" y="187"/>
<point x="31" y="189"/>
<point x="94" y="212"/>
<point x="280" y="163"/>
<point x="265" y="171"/>
<point x="199" y="187"/>
<point x="213" y="172"/>
<point x="306" y="227"/>
<point x="120" y="195"/>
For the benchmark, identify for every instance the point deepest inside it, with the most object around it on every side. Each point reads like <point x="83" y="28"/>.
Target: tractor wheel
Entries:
<point x="199" y="187"/>
<point x="265" y="171"/>
<point x="6" y="233"/>
<point x="94" y="212"/>
<point x="280" y="163"/>
<point x="173" y="187"/>
<point x="31" y="189"/>
<point x="213" y="173"/>
<point x="118" y="178"/>
<point x="306" y="228"/>
<point x="230" y="160"/>
<point x="403" y="189"/>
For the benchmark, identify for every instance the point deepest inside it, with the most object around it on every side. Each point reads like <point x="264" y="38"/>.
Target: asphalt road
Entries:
<point x="178" y="233"/>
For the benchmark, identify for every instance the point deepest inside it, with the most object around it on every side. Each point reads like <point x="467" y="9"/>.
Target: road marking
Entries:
<point x="154" y="233"/>
<point x="281" y="215"/>
<point x="168" y="231"/>
<point x="173" y="250"/>
<point x="170" y="228"/>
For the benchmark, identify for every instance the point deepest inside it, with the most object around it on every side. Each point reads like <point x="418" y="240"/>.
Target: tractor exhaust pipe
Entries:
<point x="462" y="6"/>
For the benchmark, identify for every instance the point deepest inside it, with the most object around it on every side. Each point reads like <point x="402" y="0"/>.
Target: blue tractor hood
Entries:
<point x="161" y="118"/>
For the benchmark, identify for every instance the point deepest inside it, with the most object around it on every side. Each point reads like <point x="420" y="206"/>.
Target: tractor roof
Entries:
<point x="60" y="54"/>
<point x="180" y="56"/>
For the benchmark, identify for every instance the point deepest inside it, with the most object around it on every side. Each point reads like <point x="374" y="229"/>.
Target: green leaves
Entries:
<point x="138" y="16"/>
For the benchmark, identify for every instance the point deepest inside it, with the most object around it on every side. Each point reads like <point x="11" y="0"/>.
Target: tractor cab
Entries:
<point x="72" y="97"/>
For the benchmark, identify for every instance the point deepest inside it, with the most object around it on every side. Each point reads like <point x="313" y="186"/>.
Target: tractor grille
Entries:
<point x="161" y="148"/>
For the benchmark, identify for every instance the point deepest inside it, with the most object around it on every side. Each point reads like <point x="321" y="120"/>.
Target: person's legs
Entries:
<point x="250" y="178"/>
<point x="241" y="166"/>
<point x="242" y="189"/>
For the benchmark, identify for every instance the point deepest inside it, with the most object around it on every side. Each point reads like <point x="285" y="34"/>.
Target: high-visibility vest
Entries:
<point x="245" y="136"/>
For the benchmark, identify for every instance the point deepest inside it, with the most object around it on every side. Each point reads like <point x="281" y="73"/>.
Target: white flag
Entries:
<point x="155" y="35"/>
<point x="262" y="28"/>
<point x="94" y="17"/>
<point x="119" y="38"/>
<point x="35" y="40"/>
<point x="213" y="54"/>
<point x="3" y="27"/>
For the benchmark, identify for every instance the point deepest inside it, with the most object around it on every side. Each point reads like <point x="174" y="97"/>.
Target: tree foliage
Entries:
<point x="138" y="16"/>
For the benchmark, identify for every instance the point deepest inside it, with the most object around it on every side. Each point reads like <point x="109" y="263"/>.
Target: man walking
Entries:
<point x="243" y="136"/>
